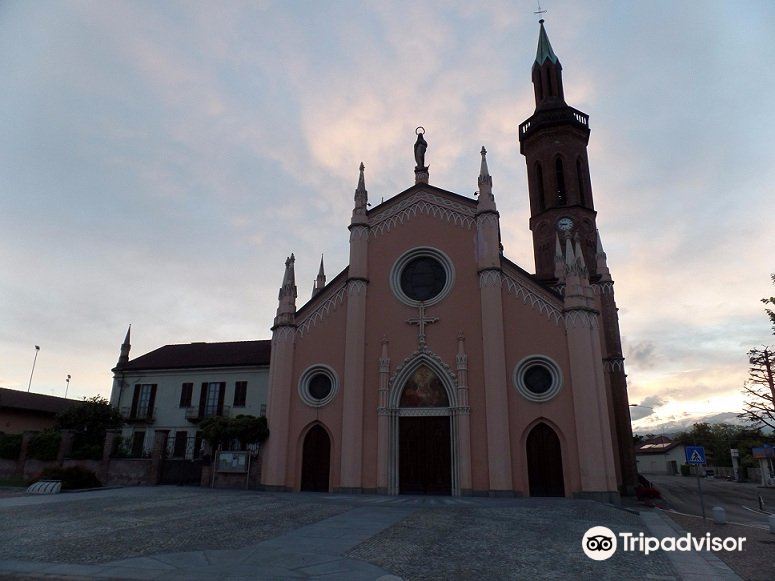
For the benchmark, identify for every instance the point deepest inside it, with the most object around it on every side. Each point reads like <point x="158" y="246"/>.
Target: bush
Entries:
<point x="10" y="446"/>
<point x="686" y="470"/>
<point x="85" y="448"/>
<point x="45" y="445"/>
<point x="72" y="478"/>
<point x="647" y="493"/>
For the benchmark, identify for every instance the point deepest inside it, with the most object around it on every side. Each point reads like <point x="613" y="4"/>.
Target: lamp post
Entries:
<point x="29" y="385"/>
<point x="68" y="385"/>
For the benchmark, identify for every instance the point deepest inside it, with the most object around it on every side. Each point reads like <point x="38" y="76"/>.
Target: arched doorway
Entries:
<point x="316" y="460"/>
<point x="424" y="436"/>
<point x="544" y="462"/>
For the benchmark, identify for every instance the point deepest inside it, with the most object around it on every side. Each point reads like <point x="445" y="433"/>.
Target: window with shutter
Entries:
<point x="186" y="391"/>
<point x="240" y="393"/>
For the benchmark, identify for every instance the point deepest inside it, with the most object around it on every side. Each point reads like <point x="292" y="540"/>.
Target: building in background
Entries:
<point x="21" y="411"/>
<point x="660" y="456"/>
<point x="175" y="387"/>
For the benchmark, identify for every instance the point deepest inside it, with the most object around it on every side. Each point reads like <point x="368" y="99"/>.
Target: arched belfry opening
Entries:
<point x="316" y="460"/>
<point x="544" y="462"/>
<point x="423" y="430"/>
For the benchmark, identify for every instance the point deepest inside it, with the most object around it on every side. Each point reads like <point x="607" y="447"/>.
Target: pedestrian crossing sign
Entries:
<point x="695" y="455"/>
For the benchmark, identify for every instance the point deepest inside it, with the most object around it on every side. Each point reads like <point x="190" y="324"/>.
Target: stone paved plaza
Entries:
<point x="188" y="533"/>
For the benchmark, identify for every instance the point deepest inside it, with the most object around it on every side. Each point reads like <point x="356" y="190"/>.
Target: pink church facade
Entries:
<point x="433" y="364"/>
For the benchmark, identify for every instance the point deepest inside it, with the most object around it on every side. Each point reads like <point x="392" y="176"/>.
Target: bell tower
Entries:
<point x="562" y="212"/>
<point x="554" y="142"/>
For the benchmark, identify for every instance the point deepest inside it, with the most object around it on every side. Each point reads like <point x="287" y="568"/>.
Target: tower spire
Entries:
<point x="545" y="50"/>
<point x="547" y="74"/>
<point x="361" y="197"/>
<point x="320" y="281"/>
<point x="486" y="198"/>
<point x="123" y="357"/>
<point x="559" y="266"/>
<point x="286" y="308"/>
<point x="601" y="260"/>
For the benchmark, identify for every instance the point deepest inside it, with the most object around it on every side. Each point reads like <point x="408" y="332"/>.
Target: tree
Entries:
<point x="759" y="407"/>
<point x="770" y="312"/>
<point x="243" y="428"/>
<point x="90" y="419"/>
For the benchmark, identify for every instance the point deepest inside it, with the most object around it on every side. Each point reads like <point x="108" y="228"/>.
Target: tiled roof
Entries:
<point x="34" y="402"/>
<point x="191" y="355"/>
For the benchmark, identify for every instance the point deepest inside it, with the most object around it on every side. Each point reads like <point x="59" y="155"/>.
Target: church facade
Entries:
<point x="433" y="364"/>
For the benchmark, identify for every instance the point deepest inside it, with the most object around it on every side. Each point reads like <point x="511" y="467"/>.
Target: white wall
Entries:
<point x="659" y="463"/>
<point x="169" y="415"/>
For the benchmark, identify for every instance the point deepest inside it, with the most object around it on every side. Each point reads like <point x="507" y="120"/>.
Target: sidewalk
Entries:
<point x="690" y="566"/>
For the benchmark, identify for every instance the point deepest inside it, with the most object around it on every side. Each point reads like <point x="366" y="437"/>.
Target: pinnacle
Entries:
<point x="544" y="47"/>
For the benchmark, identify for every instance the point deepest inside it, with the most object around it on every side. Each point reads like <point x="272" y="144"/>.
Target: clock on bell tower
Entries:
<point x="554" y="142"/>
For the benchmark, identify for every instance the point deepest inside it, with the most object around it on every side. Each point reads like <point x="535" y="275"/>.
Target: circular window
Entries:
<point x="537" y="378"/>
<point x="318" y="385"/>
<point x="422" y="275"/>
<point x="423" y="278"/>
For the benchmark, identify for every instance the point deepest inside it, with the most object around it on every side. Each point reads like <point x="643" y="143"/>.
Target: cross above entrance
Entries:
<point x="421" y="320"/>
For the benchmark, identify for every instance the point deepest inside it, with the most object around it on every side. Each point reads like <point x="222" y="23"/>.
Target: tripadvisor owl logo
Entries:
<point x="599" y="543"/>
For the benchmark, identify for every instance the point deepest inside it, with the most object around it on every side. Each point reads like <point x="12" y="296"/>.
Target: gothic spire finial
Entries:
<point x="570" y="258"/>
<point x="484" y="171"/>
<point x="361" y="196"/>
<point x="320" y="281"/>
<point x="128" y="333"/>
<point x="545" y="50"/>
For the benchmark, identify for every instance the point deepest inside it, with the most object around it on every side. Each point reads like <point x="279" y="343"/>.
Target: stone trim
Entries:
<point x="611" y="364"/>
<point x="423" y="203"/>
<point x="534" y="300"/>
<point x="304" y="393"/>
<point x="323" y="310"/>
<point x="581" y="318"/>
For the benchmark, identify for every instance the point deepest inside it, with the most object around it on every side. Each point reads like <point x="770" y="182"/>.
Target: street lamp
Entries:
<point x="29" y="385"/>
<point x="68" y="385"/>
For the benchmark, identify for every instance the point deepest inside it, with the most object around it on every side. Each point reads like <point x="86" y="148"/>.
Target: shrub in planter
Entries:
<point x="45" y="445"/>
<point x="10" y="446"/>
<point x="72" y="478"/>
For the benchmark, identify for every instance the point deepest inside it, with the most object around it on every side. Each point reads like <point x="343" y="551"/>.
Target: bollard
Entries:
<point x="719" y="515"/>
<point x="772" y="524"/>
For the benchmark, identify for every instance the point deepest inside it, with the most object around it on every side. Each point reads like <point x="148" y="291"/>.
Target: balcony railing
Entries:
<point x="139" y="416"/>
<point x="193" y="415"/>
<point x="549" y="117"/>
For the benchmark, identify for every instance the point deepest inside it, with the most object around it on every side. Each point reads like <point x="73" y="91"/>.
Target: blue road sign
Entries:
<point x="695" y="455"/>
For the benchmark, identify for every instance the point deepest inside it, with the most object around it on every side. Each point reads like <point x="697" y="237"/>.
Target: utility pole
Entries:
<point x="68" y="385"/>
<point x="29" y="385"/>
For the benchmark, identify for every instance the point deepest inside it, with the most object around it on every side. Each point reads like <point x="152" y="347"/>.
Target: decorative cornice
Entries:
<point x="324" y="309"/>
<point x="603" y="288"/>
<point x="490" y="277"/>
<point x="533" y="299"/>
<point x="424" y="351"/>
<point x="581" y="318"/>
<point x="358" y="231"/>
<point x="356" y="286"/>
<point x="283" y="332"/>
<point x="611" y="364"/>
<point x="423" y="203"/>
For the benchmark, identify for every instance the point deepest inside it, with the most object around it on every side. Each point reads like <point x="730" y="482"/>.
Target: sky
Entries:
<point x="159" y="160"/>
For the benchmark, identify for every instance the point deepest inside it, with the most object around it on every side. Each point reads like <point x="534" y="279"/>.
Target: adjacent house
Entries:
<point x="660" y="456"/>
<point x="175" y="387"/>
<point x="21" y="411"/>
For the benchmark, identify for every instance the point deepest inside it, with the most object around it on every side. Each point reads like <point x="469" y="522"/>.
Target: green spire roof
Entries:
<point x="544" y="47"/>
